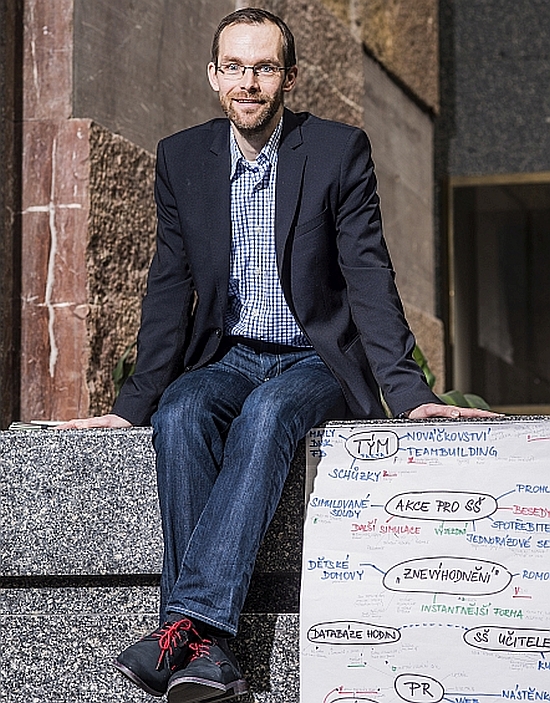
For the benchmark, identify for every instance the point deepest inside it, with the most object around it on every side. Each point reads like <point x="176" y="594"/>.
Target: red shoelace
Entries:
<point x="171" y="635"/>
<point x="201" y="648"/>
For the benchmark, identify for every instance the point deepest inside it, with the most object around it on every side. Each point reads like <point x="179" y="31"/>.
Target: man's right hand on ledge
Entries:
<point x="110" y="420"/>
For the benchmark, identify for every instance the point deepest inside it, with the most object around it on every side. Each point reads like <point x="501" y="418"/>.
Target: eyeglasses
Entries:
<point x="263" y="71"/>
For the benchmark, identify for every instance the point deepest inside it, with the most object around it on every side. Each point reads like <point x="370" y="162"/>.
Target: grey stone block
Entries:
<point x="78" y="503"/>
<point x="81" y="554"/>
<point x="58" y="645"/>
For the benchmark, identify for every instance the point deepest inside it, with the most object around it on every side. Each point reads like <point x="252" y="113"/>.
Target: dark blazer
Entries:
<point x="333" y="263"/>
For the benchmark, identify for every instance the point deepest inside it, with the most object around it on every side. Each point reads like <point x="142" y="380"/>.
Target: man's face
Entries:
<point x="252" y="104"/>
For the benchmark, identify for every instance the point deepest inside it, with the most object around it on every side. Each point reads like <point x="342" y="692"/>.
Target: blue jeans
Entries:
<point x="224" y="436"/>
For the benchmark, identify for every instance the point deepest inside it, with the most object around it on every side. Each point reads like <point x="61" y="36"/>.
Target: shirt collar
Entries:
<point x="268" y="154"/>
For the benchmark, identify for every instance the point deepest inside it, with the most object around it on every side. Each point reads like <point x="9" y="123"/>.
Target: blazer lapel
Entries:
<point x="290" y="170"/>
<point x="217" y="190"/>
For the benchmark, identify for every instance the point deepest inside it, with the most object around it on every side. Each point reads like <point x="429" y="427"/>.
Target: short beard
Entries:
<point x="260" y="122"/>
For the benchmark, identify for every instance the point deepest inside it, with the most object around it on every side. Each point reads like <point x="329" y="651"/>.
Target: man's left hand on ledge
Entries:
<point x="429" y="410"/>
<point x="110" y="420"/>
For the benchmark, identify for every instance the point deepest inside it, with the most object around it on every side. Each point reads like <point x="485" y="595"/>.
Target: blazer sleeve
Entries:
<point x="374" y="301"/>
<point x="166" y="310"/>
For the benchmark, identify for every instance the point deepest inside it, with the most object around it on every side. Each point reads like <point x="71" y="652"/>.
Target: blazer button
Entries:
<point x="218" y="332"/>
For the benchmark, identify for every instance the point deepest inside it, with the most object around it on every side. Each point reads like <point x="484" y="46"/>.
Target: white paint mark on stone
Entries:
<point x="50" y="279"/>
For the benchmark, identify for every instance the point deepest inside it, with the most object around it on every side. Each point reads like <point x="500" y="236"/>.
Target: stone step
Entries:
<point x="81" y="554"/>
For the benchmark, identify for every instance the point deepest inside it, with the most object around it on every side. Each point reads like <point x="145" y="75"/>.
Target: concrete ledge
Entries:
<point x="81" y="553"/>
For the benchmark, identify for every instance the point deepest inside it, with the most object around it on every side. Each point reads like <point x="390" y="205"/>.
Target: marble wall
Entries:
<point x="120" y="246"/>
<point x="400" y="34"/>
<point x="87" y="233"/>
<point x="140" y="65"/>
<point x="88" y="237"/>
<point x="54" y="205"/>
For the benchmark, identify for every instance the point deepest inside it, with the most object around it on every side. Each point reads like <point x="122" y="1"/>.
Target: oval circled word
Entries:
<point x="453" y="575"/>
<point x="371" y="445"/>
<point x="417" y="688"/>
<point x="442" y="505"/>
<point x="350" y="632"/>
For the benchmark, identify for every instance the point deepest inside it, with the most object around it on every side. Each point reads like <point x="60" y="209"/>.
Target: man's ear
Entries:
<point x="213" y="77"/>
<point x="290" y="79"/>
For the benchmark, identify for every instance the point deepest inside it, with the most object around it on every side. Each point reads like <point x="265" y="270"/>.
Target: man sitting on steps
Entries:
<point x="270" y="308"/>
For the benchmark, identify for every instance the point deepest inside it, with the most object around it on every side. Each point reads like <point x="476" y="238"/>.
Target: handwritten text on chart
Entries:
<point x="355" y="475"/>
<point x="417" y="687"/>
<point x="342" y="507"/>
<point x="437" y="505"/>
<point x="335" y="569"/>
<point x="442" y="442"/>
<point x="505" y="639"/>
<point x="384" y="528"/>
<point x="373" y="444"/>
<point x="451" y="575"/>
<point x="442" y="435"/>
<point x="334" y="633"/>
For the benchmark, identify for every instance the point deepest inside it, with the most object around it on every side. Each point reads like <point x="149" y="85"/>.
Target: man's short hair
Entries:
<point x="255" y="15"/>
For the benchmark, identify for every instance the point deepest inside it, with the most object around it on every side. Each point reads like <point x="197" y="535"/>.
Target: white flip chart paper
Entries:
<point x="426" y="564"/>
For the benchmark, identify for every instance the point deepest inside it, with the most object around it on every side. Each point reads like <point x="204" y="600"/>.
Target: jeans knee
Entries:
<point x="270" y="419"/>
<point x="168" y="416"/>
<point x="177" y="410"/>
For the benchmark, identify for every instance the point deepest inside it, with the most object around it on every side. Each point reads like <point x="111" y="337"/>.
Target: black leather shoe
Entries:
<point x="151" y="662"/>
<point x="211" y="674"/>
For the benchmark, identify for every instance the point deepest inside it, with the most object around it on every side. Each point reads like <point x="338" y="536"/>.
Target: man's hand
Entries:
<point x="428" y="410"/>
<point x="110" y="420"/>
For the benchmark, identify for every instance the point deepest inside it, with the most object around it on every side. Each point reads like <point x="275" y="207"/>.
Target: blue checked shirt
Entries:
<point x="256" y="306"/>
